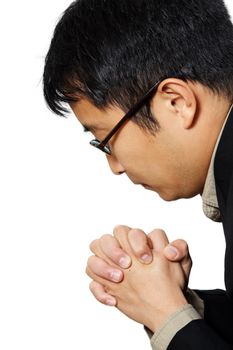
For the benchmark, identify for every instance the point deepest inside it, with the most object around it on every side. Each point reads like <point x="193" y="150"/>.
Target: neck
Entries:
<point x="211" y="115"/>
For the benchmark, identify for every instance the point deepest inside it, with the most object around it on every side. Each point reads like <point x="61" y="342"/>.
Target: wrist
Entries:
<point x="164" y="335"/>
<point x="159" y="317"/>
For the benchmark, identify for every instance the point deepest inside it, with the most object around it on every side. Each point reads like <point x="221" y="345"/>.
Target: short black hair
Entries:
<point x="111" y="51"/>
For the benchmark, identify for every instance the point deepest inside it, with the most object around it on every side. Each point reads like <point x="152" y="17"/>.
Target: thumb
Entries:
<point x="171" y="253"/>
<point x="177" y="251"/>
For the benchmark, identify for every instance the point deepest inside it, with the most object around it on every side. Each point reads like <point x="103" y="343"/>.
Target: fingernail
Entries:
<point x="115" y="276"/>
<point x="125" y="262"/>
<point x="110" y="302"/>
<point x="146" y="258"/>
<point x="173" y="252"/>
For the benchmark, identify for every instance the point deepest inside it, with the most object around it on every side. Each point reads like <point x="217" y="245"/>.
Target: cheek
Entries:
<point x="143" y="154"/>
<point x="133" y="160"/>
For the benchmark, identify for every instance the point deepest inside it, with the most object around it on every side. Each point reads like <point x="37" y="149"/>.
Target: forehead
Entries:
<point x="95" y="118"/>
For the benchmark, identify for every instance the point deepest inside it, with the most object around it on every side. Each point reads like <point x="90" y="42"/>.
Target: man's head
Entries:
<point x="106" y="54"/>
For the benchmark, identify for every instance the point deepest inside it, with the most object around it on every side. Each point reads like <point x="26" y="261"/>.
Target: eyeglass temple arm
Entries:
<point x="130" y="113"/>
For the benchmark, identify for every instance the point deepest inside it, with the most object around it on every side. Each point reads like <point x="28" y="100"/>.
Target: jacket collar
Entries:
<point x="223" y="164"/>
<point x="209" y="195"/>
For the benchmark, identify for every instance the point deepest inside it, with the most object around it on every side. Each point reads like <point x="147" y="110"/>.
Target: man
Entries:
<point x="168" y="66"/>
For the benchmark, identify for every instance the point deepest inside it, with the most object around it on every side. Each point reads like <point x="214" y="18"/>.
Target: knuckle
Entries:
<point x="138" y="231"/>
<point x="117" y="228"/>
<point x="111" y="289"/>
<point x="184" y="245"/>
<point x="157" y="232"/>
<point x="92" y="287"/>
<point x="100" y="294"/>
<point x="88" y="272"/>
<point x="108" y="290"/>
<point x="120" y="229"/>
<point x="139" y="251"/>
<point x="106" y="242"/>
<point x="137" y="234"/>
<point x="183" y="242"/>
<point x="90" y="260"/>
<point x="110" y="247"/>
<point x="105" y="237"/>
<point x="160" y="230"/>
<point x="93" y="245"/>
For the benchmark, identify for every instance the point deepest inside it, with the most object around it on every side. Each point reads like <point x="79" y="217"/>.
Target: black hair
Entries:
<point x="112" y="51"/>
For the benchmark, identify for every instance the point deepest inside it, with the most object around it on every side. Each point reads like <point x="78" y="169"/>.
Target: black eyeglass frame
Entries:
<point x="103" y="145"/>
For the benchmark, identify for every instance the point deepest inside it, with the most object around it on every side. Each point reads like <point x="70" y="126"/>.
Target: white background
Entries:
<point x="56" y="195"/>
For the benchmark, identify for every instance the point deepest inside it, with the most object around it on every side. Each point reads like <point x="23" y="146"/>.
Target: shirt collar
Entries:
<point x="209" y="195"/>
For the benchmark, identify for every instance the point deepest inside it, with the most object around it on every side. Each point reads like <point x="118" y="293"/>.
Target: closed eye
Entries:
<point x="85" y="129"/>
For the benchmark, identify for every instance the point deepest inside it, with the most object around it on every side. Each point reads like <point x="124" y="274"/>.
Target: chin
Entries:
<point x="169" y="196"/>
<point x="166" y="196"/>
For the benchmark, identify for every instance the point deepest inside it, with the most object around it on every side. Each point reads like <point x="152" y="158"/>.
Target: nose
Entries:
<point x="115" y="165"/>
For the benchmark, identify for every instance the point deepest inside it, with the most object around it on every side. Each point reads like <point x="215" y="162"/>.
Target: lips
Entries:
<point x="142" y="184"/>
<point x="146" y="186"/>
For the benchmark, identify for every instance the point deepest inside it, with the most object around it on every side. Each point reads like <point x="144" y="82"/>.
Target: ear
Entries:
<point x="180" y="99"/>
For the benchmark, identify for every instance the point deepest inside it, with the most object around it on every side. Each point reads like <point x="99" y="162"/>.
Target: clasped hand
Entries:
<point x="143" y="275"/>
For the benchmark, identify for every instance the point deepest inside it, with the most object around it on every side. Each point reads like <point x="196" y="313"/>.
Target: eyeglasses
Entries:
<point x="103" y="145"/>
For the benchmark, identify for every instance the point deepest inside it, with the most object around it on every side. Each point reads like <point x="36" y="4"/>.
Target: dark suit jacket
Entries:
<point x="215" y="331"/>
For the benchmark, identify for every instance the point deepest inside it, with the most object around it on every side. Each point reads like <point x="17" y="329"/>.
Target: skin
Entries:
<point x="162" y="301"/>
<point x="190" y="118"/>
<point x="110" y="249"/>
<point x="174" y="163"/>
